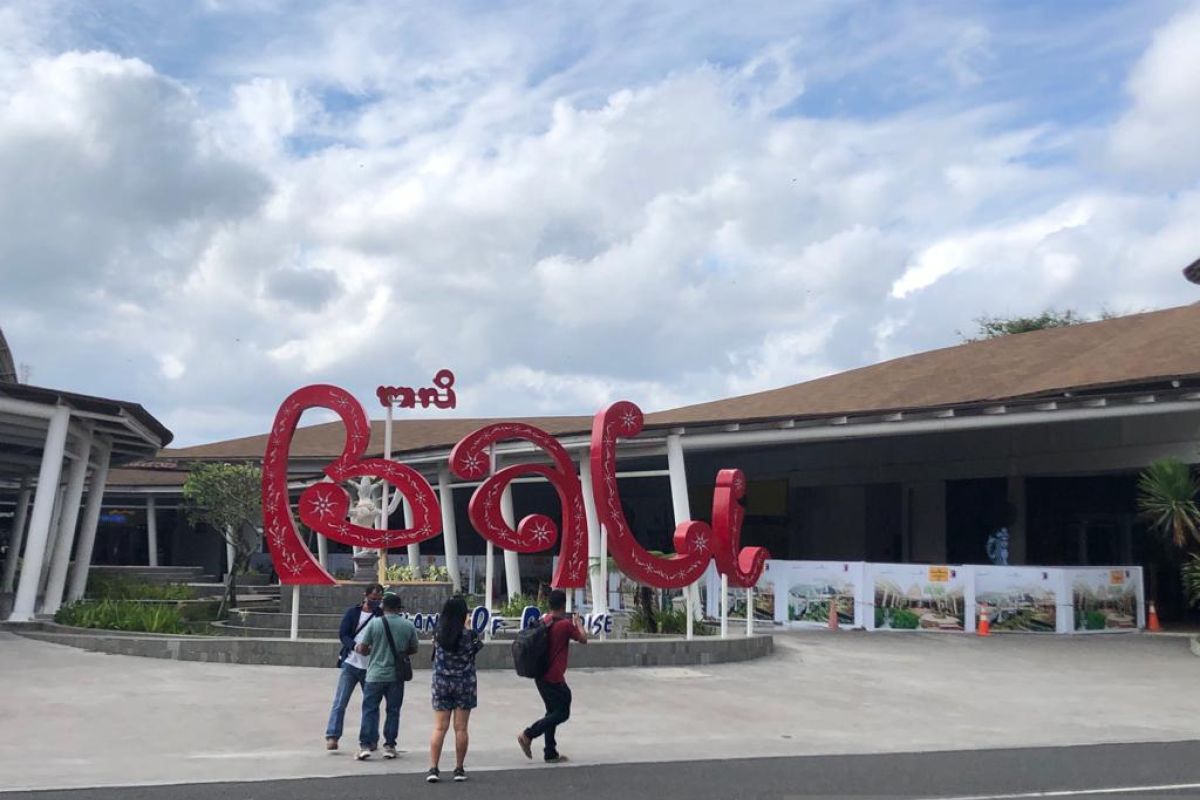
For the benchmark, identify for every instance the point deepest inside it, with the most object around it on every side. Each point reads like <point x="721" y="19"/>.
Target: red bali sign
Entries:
<point x="324" y="506"/>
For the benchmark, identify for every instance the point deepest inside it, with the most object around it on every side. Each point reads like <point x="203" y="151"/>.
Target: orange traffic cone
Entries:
<point x="984" y="628"/>
<point x="1152" y="619"/>
<point x="833" y="618"/>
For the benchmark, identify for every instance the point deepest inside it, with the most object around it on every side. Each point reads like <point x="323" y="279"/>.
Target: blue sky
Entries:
<point x="210" y="204"/>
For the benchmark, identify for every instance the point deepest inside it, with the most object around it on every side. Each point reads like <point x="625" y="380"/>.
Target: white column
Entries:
<point x="152" y="530"/>
<point x="384" y="506"/>
<point x="596" y="554"/>
<point x="52" y="540"/>
<point x="76" y="476"/>
<point x="91" y="520"/>
<point x="683" y="511"/>
<point x="322" y="551"/>
<point x="414" y="550"/>
<point x="17" y="538"/>
<point x="749" y="610"/>
<point x="449" y="526"/>
<point x="512" y="567"/>
<point x="43" y="510"/>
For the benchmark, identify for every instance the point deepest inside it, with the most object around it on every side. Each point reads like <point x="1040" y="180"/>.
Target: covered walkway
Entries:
<point x="56" y="449"/>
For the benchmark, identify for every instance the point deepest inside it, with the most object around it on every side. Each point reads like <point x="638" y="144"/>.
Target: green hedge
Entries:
<point x="130" y="615"/>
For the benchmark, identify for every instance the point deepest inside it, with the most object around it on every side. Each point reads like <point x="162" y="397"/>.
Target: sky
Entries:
<point x="207" y="205"/>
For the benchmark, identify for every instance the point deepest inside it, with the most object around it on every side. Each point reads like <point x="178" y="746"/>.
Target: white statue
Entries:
<point x="364" y="511"/>
<point x="997" y="547"/>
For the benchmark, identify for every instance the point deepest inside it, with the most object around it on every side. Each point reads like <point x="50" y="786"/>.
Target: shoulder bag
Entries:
<point x="404" y="671"/>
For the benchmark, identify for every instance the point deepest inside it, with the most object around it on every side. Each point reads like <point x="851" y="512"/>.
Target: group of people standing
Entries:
<point x="378" y="644"/>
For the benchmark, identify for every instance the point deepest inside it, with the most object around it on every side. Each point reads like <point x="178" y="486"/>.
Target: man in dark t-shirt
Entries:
<point x="552" y="686"/>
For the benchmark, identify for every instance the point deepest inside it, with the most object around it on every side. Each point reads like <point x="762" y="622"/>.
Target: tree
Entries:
<point x="1191" y="579"/>
<point x="989" y="327"/>
<point x="1167" y="493"/>
<point x="227" y="499"/>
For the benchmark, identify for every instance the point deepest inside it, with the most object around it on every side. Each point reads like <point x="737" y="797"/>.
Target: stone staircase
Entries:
<point x="153" y="574"/>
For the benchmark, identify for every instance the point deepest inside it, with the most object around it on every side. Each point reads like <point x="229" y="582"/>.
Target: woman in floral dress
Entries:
<point x="454" y="685"/>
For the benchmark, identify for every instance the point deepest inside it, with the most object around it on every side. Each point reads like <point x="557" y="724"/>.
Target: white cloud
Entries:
<point x="563" y="209"/>
<point x="1158" y="135"/>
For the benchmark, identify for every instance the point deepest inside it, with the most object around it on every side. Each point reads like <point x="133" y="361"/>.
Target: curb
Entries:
<point x="610" y="654"/>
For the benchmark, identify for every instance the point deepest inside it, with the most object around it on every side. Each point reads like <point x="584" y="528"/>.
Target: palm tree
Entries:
<point x="1191" y="579"/>
<point x="1167" y="493"/>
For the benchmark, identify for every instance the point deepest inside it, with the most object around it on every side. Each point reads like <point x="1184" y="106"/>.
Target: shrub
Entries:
<point x="404" y="573"/>
<point x="515" y="606"/>
<point x="124" y="615"/>
<point x="1094" y="620"/>
<point x="1191" y="579"/>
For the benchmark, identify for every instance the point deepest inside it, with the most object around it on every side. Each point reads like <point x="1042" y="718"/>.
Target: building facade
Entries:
<point x="915" y="460"/>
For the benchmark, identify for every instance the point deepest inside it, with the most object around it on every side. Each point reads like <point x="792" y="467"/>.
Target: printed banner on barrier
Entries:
<point x="809" y="587"/>
<point x="1019" y="598"/>
<point x="918" y="597"/>
<point x="1105" y="598"/>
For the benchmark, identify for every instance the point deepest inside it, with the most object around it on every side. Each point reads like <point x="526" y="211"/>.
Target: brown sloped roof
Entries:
<point x="87" y="402"/>
<point x="133" y="476"/>
<point x="8" y="369"/>
<point x="1126" y="351"/>
<point x="408" y="435"/>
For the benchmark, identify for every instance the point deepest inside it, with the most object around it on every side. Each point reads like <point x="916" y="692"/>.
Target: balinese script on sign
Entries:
<point x="324" y="506"/>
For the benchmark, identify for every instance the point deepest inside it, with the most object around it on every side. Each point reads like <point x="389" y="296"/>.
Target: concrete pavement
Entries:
<point x="70" y="718"/>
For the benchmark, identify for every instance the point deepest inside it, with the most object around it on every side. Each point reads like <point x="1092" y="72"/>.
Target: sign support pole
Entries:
<point x="749" y="610"/>
<point x="295" y="611"/>
<point x="383" y="495"/>
<point x="724" y="606"/>
<point x="490" y="567"/>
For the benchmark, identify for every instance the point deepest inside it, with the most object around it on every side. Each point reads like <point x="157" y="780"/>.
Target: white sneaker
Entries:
<point x="363" y="754"/>
<point x="389" y="751"/>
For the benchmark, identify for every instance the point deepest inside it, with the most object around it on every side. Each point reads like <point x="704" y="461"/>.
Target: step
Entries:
<point x="263" y="618"/>
<point x="175" y="574"/>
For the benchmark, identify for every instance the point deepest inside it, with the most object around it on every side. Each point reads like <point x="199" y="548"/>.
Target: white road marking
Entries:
<point x="1166" y="787"/>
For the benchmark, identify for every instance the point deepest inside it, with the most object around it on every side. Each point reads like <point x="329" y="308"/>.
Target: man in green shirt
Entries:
<point x="382" y="677"/>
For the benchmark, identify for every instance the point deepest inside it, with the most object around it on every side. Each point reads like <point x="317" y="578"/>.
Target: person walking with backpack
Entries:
<point x="389" y="641"/>
<point x="454" y="685"/>
<point x="561" y="630"/>
<point x="352" y="665"/>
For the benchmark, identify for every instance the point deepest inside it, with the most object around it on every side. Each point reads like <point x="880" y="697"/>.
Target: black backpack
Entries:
<point x="530" y="650"/>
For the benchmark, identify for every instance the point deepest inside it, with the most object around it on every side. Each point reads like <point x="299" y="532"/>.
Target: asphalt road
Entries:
<point x="1117" y="770"/>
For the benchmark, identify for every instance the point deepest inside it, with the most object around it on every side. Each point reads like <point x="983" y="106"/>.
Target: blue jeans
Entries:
<point x="348" y="677"/>
<point x="373" y="692"/>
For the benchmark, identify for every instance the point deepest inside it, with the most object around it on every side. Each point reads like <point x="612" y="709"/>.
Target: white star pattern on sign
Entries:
<point x="541" y="533"/>
<point x="473" y="464"/>
<point x="629" y="420"/>
<point x="701" y="543"/>
<point x="322" y="506"/>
